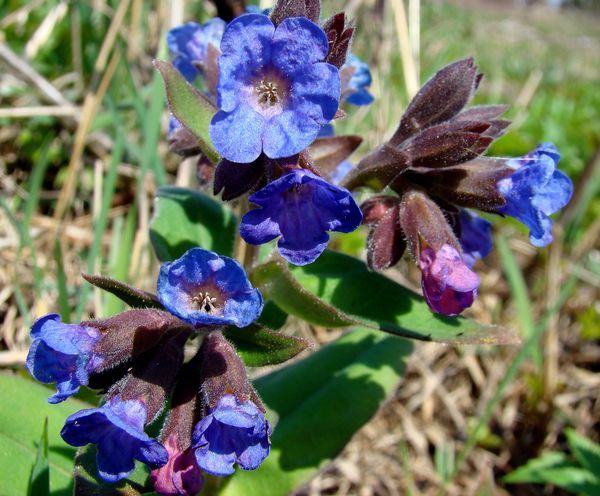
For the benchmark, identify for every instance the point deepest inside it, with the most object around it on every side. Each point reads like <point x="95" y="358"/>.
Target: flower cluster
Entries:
<point x="278" y="83"/>
<point x="434" y="173"/>
<point x="215" y="418"/>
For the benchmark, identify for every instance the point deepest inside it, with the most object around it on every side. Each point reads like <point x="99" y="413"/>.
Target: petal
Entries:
<point x="234" y="417"/>
<point x="215" y="463"/>
<point x="152" y="453"/>
<point x="179" y="36"/>
<point x="237" y="135"/>
<point x="337" y="208"/>
<point x="296" y="43"/>
<point x="253" y="456"/>
<point x="289" y="133"/>
<point x="39" y="324"/>
<point x="258" y="226"/>
<point x="114" y="458"/>
<point x="316" y="91"/>
<point x="556" y="194"/>
<point x="246" y="48"/>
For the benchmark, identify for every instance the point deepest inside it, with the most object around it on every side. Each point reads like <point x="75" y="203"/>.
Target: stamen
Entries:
<point x="267" y="92"/>
<point x="205" y="302"/>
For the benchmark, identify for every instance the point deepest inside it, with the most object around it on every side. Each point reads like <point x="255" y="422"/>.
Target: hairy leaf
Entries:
<point x="259" y="346"/>
<point x="131" y="295"/>
<point x="338" y="290"/>
<point x="190" y="107"/>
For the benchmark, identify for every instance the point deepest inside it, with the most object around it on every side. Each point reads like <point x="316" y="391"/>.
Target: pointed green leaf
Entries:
<point x="189" y="106"/>
<point x="317" y="404"/>
<point x="338" y="290"/>
<point x="534" y="469"/>
<point x="259" y="346"/>
<point x="585" y="450"/>
<point x="184" y="219"/>
<point x="39" y="482"/>
<point x="134" y="297"/>
<point x="21" y="426"/>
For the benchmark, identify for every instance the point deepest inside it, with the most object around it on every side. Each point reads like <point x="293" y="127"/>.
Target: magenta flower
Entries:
<point x="449" y="286"/>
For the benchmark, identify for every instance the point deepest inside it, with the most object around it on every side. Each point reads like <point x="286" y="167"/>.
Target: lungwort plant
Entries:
<point x="255" y="99"/>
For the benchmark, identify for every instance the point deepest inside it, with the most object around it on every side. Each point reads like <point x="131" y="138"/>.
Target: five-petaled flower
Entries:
<point x="117" y="428"/>
<point x="207" y="289"/>
<point x="536" y="190"/>
<point x="275" y="91"/>
<point x="62" y="354"/>
<point x="232" y="432"/>
<point x="449" y="286"/>
<point x="300" y="207"/>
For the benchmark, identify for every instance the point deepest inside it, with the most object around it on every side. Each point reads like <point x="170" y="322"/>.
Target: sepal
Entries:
<point x="339" y="34"/>
<point x="440" y="99"/>
<point x="469" y="185"/>
<point x="131" y="333"/>
<point x="296" y="8"/>
<point x="327" y="153"/>
<point x="131" y="295"/>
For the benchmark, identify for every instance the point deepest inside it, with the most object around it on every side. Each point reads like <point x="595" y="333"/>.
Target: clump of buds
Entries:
<point x="434" y="170"/>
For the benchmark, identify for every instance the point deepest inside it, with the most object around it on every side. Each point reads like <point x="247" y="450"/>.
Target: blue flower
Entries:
<point x="232" y="432"/>
<point x="62" y="353"/>
<point x="536" y="190"/>
<point x="274" y="90"/>
<point x="189" y="43"/>
<point x="300" y="207"/>
<point x="355" y="90"/>
<point x="475" y="236"/>
<point x="204" y="288"/>
<point x="117" y="428"/>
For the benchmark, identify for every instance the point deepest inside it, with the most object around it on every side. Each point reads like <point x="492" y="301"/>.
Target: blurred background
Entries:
<point x="83" y="149"/>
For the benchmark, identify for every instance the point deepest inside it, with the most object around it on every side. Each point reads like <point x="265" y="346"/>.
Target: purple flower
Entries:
<point x="536" y="190"/>
<point x="117" y="428"/>
<point x="189" y="43"/>
<point x="62" y="353"/>
<point x="232" y="432"/>
<point x="449" y="286"/>
<point x="300" y="207"/>
<point x="204" y="288"/>
<point x="181" y="475"/>
<point x="355" y="90"/>
<point x="475" y="236"/>
<point x="274" y="90"/>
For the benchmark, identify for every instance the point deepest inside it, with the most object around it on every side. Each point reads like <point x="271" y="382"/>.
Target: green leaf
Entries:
<point x="317" y="404"/>
<point x="555" y="468"/>
<point x="134" y="297"/>
<point x="272" y="316"/>
<point x="88" y="483"/>
<point x="338" y="290"/>
<point x="532" y="471"/>
<point x="184" y="219"/>
<point x="39" y="482"/>
<point x="21" y="426"/>
<point x="259" y="346"/>
<point x="585" y="450"/>
<point x="189" y="106"/>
